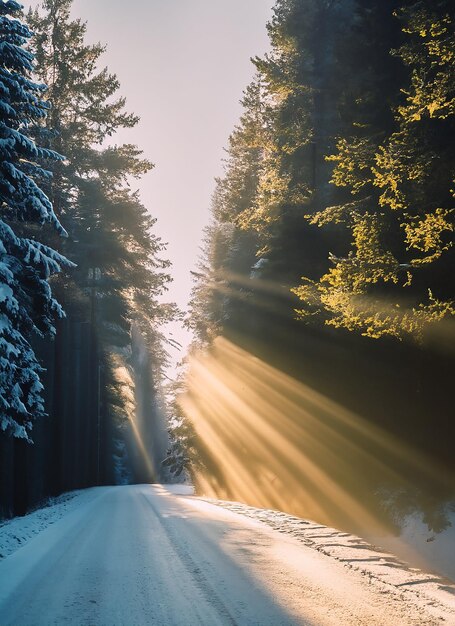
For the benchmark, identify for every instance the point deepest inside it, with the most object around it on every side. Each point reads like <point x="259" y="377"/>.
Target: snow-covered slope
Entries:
<point x="154" y="555"/>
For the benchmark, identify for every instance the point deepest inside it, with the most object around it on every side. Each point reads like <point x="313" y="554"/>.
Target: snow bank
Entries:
<point x="429" y="590"/>
<point x="17" y="532"/>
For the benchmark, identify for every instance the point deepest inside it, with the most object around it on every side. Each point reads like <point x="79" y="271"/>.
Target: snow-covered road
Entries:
<point x="144" y="555"/>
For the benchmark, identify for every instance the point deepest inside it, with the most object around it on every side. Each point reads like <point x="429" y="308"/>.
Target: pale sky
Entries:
<point x="182" y="65"/>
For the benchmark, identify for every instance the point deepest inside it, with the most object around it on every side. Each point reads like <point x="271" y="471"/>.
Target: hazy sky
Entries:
<point x="183" y="65"/>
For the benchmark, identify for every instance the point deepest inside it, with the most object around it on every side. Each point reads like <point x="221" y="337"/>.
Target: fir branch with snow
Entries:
<point x="26" y="303"/>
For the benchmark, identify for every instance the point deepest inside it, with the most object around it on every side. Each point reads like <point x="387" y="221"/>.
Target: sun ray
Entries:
<point x="274" y="442"/>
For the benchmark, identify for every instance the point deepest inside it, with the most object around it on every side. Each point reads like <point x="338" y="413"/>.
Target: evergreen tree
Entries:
<point x="113" y="227"/>
<point x="27" y="306"/>
<point x="231" y="243"/>
<point x="118" y="281"/>
<point x="340" y="172"/>
<point x="113" y="230"/>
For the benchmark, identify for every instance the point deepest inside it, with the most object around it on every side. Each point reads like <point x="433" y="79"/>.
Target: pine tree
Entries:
<point x="27" y="306"/>
<point x="113" y="230"/>
<point x="111" y="236"/>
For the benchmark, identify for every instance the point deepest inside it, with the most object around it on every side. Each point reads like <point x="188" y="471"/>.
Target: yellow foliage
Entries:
<point x="375" y="318"/>
<point x="353" y="161"/>
<point x="432" y="77"/>
<point x="334" y="214"/>
<point x="426" y="234"/>
<point x="393" y="185"/>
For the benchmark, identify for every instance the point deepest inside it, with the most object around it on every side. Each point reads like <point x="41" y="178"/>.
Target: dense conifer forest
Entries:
<point x="94" y="349"/>
<point x="320" y="378"/>
<point x="329" y="257"/>
<point x="255" y="426"/>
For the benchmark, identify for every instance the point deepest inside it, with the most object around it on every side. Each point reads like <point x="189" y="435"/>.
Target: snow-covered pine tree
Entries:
<point x="26" y="303"/>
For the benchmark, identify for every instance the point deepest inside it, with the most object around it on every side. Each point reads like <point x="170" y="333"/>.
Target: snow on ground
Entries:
<point x="16" y="532"/>
<point x="373" y="562"/>
<point x="152" y="555"/>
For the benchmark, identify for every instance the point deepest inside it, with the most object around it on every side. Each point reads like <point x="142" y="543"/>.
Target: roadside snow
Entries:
<point x="16" y="532"/>
<point x="381" y="568"/>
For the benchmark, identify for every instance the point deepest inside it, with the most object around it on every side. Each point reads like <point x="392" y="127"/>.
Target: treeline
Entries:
<point x="329" y="255"/>
<point x="103" y="367"/>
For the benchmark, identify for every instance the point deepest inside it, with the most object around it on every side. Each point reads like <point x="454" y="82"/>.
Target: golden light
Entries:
<point x="271" y="441"/>
<point x="124" y="380"/>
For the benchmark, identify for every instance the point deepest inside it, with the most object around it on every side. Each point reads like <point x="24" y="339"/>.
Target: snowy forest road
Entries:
<point x="145" y="555"/>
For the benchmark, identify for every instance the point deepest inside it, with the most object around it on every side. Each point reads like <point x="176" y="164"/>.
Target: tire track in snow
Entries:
<point x="193" y="568"/>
